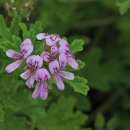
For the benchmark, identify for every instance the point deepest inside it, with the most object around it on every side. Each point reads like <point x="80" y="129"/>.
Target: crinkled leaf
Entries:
<point x="77" y="45"/>
<point x="15" y="25"/>
<point x="79" y="85"/>
<point x="64" y="116"/>
<point x="123" y="5"/>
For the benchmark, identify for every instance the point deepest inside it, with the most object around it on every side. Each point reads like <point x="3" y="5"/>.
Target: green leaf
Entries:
<point x="10" y="103"/>
<point x="79" y="85"/>
<point x="77" y="45"/>
<point x="123" y="5"/>
<point x="99" y="121"/>
<point x="61" y="116"/>
<point x="112" y="123"/>
<point x="1" y="113"/>
<point x="100" y="74"/>
<point x="81" y="64"/>
<point x="15" y="25"/>
<point x="4" y="32"/>
<point x="14" y="122"/>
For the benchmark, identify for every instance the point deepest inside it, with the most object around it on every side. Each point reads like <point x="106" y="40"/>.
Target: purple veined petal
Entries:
<point x="41" y="36"/>
<point x="54" y="49"/>
<point x="64" y="49"/>
<point x="26" y="42"/>
<point x="59" y="82"/>
<point x="26" y="50"/>
<point x="42" y="75"/>
<point x="36" y="92"/>
<point x="66" y="75"/>
<point x="52" y="39"/>
<point x="64" y="43"/>
<point x="72" y="62"/>
<point x="49" y="42"/>
<point x="62" y="60"/>
<point x="47" y="74"/>
<point x="30" y="81"/>
<point x="13" y="54"/>
<point x="45" y="55"/>
<point x="54" y="66"/>
<point x="43" y="91"/>
<point x="35" y="61"/>
<point x="26" y="74"/>
<point x="13" y="66"/>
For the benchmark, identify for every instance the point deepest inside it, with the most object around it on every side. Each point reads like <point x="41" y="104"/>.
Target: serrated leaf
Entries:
<point x="123" y="6"/>
<point x="64" y="116"/>
<point x="79" y="85"/>
<point x="77" y="45"/>
<point x="15" y="25"/>
<point x="4" y="32"/>
<point x="10" y="103"/>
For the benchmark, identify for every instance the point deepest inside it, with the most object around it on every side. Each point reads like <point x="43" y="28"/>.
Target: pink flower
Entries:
<point x="49" y="56"/>
<point x="65" y="57"/>
<point x="41" y="89"/>
<point x="26" y="50"/>
<point x="41" y="36"/>
<point x="45" y="55"/>
<point x="50" y="39"/>
<point x="59" y="75"/>
<point x="63" y="43"/>
<point x="34" y="62"/>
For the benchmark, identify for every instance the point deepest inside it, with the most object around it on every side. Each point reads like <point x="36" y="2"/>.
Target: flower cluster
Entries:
<point x="41" y="68"/>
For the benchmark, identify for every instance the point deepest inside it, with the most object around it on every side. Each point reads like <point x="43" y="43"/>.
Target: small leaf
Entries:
<point x="77" y="45"/>
<point x="15" y="25"/>
<point x="79" y="84"/>
<point x="123" y="6"/>
<point x="4" y="32"/>
<point x="81" y="64"/>
<point x="99" y="121"/>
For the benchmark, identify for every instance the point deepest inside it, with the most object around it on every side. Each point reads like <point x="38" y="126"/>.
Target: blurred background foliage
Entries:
<point x="104" y="25"/>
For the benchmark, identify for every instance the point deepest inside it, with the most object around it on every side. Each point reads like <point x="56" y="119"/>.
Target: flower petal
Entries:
<point x="43" y="91"/>
<point x="41" y="36"/>
<point x="64" y="43"/>
<point x="45" y="56"/>
<point x="54" y="66"/>
<point x="64" y="49"/>
<point x="26" y="50"/>
<point x="11" y="67"/>
<point x="42" y="75"/>
<point x="66" y="75"/>
<point x="72" y="62"/>
<point x="30" y="81"/>
<point x="36" y="92"/>
<point x="26" y="42"/>
<point x="54" y="49"/>
<point x="52" y="39"/>
<point x="35" y="61"/>
<point x="62" y="60"/>
<point x="59" y="82"/>
<point x="26" y="74"/>
<point x="13" y="54"/>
